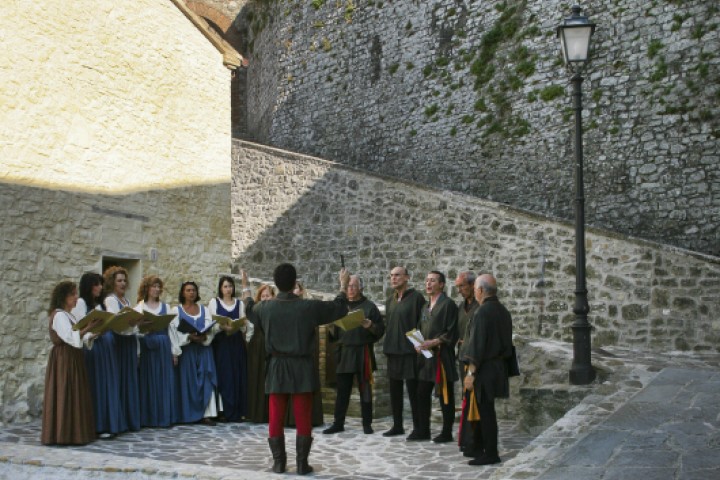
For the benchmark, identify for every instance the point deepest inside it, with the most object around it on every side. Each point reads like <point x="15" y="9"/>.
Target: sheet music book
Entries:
<point x="186" y="327"/>
<point x="416" y="338"/>
<point x="351" y="320"/>
<point x="118" y="322"/>
<point x="155" y="323"/>
<point x="234" y="324"/>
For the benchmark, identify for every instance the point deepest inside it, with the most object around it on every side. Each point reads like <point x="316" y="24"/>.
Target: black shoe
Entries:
<point x="443" y="438"/>
<point x="367" y="430"/>
<point x="473" y="453"/>
<point x="208" y="421"/>
<point x="334" y="428"/>
<point x="394" y="431"/>
<point x="415" y="436"/>
<point x="484" y="460"/>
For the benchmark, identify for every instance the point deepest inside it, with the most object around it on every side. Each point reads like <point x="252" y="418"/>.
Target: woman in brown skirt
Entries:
<point x="68" y="417"/>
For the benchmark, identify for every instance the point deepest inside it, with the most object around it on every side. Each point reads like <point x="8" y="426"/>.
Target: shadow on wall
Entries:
<point x="299" y="209"/>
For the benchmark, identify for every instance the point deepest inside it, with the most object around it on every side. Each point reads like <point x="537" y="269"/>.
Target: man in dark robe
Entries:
<point x="356" y="357"/>
<point x="439" y="329"/>
<point x="465" y="284"/>
<point x="403" y="310"/>
<point x="485" y="352"/>
<point x="288" y="323"/>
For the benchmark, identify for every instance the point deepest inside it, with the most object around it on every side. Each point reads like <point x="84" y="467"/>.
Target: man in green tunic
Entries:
<point x="403" y="310"/>
<point x="356" y="357"/>
<point x="439" y="329"/>
<point x="288" y="323"/>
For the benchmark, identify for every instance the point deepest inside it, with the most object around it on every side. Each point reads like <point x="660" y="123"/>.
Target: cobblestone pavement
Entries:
<point x="655" y="417"/>
<point x="240" y="451"/>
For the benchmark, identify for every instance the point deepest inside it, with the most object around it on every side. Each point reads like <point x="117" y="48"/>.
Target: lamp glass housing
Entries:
<point x="575" y="33"/>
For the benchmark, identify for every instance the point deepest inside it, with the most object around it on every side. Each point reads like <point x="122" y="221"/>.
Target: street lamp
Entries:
<point x="575" y="33"/>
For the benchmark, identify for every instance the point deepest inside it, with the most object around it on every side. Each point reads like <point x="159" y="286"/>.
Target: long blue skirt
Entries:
<point x="195" y="382"/>
<point x="104" y="377"/>
<point x="127" y="349"/>
<point x="156" y="380"/>
<point x="231" y="363"/>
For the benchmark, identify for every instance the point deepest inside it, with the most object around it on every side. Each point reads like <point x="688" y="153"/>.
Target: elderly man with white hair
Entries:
<point x="356" y="358"/>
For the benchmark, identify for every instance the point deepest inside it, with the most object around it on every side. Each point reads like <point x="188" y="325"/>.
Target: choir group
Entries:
<point x="104" y="384"/>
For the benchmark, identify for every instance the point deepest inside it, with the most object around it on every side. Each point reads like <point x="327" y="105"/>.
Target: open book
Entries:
<point x="186" y="327"/>
<point x="155" y="323"/>
<point x="118" y="322"/>
<point x="416" y="338"/>
<point x="236" y="325"/>
<point x="351" y="320"/>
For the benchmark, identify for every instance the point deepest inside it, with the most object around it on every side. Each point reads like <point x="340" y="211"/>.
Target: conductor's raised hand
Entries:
<point x="344" y="278"/>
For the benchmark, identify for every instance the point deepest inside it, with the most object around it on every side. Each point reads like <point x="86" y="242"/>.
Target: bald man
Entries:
<point x="403" y="311"/>
<point x="488" y="345"/>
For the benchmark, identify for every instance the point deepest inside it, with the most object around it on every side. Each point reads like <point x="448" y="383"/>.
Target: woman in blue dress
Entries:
<point x="102" y="363"/>
<point x="196" y="378"/>
<point x="126" y="346"/>
<point x="230" y="351"/>
<point x="156" y="376"/>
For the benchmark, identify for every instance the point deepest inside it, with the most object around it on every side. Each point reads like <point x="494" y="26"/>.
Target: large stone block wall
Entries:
<point x="470" y="96"/>
<point x="53" y="235"/>
<point x="290" y="207"/>
<point x="115" y="141"/>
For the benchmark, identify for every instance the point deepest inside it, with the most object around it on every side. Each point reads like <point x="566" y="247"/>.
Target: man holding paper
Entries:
<point x="288" y="323"/>
<point x="356" y="357"/>
<point x="438" y="326"/>
<point x="403" y="312"/>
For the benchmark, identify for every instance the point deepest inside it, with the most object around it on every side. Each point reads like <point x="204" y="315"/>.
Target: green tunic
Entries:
<point x="465" y="314"/>
<point x="401" y="317"/>
<point x="289" y="323"/>
<point x="439" y="323"/>
<point x="352" y="344"/>
<point x="489" y="344"/>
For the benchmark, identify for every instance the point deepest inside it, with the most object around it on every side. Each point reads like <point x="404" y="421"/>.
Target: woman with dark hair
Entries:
<point x="230" y="353"/>
<point x="101" y="360"/>
<point x="257" y="398"/>
<point x="91" y="295"/>
<point x="156" y="377"/>
<point x="126" y="345"/>
<point x="196" y="377"/>
<point x="67" y="417"/>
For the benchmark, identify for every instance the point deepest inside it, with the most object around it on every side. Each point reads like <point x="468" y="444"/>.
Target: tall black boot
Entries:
<point x="366" y="411"/>
<point x="302" y="446"/>
<point x="277" y="447"/>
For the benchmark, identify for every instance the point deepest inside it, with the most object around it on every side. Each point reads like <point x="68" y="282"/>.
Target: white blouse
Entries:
<point x="248" y="329"/>
<point x="179" y="339"/>
<point x="62" y="323"/>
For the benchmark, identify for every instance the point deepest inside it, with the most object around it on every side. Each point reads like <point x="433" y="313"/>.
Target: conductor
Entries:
<point x="289" y="323"/>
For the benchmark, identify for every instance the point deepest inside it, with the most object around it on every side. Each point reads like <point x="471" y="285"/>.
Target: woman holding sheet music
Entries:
<point x="101" y="361"/>
<point x="191" y="334"/>
<point x="156" y="376"/>
<point x="230" y="352"/>
<point x="126" y="344"/>
<point x="67" y="408"/>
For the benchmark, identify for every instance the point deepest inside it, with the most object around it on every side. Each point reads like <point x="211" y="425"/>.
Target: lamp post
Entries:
<point x="575" y="33"/>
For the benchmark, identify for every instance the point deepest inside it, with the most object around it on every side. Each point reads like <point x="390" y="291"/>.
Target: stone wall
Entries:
<point x="114" y="142"/>
<point x="470" y="96"/>
<point x="290" y="207"/>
